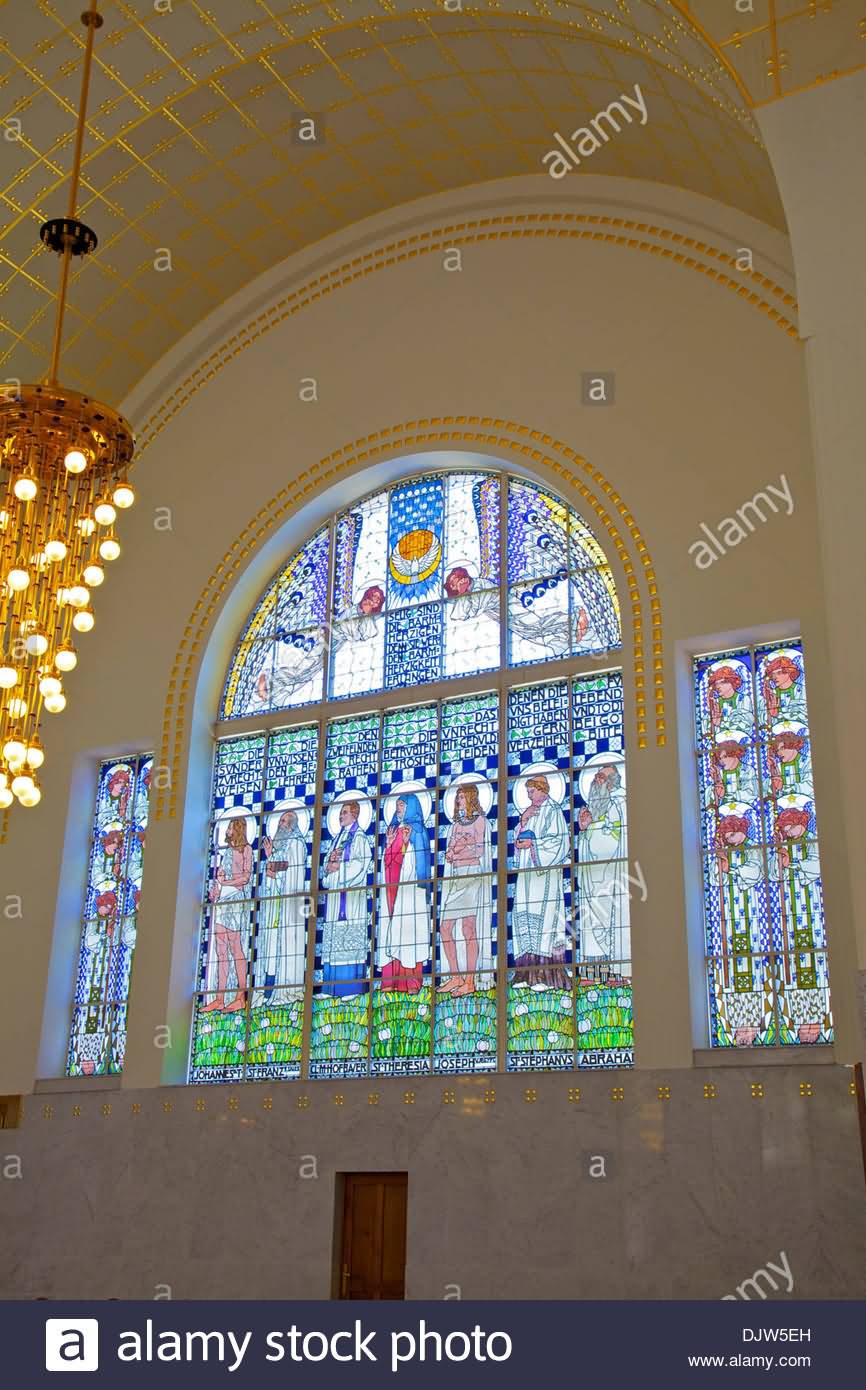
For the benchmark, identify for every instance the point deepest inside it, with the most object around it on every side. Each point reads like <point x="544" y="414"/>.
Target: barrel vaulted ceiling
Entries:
<point x="192" y="138"/>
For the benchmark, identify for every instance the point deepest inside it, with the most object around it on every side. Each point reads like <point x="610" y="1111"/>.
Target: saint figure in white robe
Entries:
<point x="346" y="870"/>
<point x="539" y="922"/>
<point x="283" y="913"/>
<point x="602" y="869"/>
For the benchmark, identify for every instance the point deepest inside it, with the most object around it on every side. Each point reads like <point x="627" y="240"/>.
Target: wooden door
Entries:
<point x="373" y="1263"/>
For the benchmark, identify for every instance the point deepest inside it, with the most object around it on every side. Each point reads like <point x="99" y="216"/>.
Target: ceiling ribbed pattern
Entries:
<point x="192" y="157"/>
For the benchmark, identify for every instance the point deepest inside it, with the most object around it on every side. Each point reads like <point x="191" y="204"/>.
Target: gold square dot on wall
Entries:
<point x="303" y="1102"/>
<point x="664" y="1092"/>
<point x="201" y="1104"/>
<point x="757" y="1090"/>
<point x="852" y="1088"/>
<point x="574" y="1094"/>
<point x="530" y="1095"/>
<point x="710" y="1092"/>
<point x="489" y="1097"/>
<point x="373" y="1098"/>
<point x="806" y="1088"/>
<point x="76" y="1110"/>
<point x="268" y="1103"/>
<point x="167" y="1106"/>
<point x="617" y="1093"/>
<point x="339" y="1099"/>
<point x="233" y="1103"/>
<point x="408" y="1097"/>
<point x="449" y="1097"/>
<point x="106" y="1109"/>
<point x="47" y="1112"/>
<point x="135" y="1108"/>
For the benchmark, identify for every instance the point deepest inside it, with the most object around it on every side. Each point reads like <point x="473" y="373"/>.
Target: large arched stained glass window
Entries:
<point x="435" y="882"/>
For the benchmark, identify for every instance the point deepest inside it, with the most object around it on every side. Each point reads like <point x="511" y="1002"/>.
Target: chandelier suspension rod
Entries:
<point x="92" y="19"/>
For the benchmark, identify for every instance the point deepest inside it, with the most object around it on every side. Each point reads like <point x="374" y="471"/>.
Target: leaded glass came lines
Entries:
<point x="766" y="946"/>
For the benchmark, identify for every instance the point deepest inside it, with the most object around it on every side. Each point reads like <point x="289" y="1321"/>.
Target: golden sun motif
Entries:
<point x="415" y="557"/>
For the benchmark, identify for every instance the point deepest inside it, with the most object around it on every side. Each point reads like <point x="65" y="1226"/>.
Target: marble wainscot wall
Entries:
<point x="211" y="1190"/>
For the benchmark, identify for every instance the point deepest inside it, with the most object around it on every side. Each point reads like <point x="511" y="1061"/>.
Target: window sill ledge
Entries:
<point x="59" y="1085"/>
<point x="794" y="1055"/>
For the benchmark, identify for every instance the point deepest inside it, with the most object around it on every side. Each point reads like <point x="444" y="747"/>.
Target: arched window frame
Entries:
<point x="499" y="679"/>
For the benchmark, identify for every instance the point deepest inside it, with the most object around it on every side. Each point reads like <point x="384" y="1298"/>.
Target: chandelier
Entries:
<point x="64" y="460"/>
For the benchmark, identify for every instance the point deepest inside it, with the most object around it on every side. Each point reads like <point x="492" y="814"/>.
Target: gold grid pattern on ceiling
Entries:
<point x="191" y="143"/>
<point x="784" y="46"/>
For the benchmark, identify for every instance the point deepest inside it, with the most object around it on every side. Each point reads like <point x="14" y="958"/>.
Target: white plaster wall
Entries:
<point x="816" y="143"/>
<point x="711" y="405"/>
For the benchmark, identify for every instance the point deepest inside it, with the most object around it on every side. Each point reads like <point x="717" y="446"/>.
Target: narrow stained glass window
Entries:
<point x="766" y="944"/>
<point x="97" y="1039"/>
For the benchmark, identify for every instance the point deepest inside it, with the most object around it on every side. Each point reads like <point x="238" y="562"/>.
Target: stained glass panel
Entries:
<point x="538" y="525"/>
<point x="467" y="857"/>
<point x="763" y="905"/>
<point x="341" y="997"/>
<point x="250" y="1007"/>
<point x="279" y="660"/>
<point x="97" y="1040"/>
<point x="569" y="994"/>
<point x="417" y="594"/>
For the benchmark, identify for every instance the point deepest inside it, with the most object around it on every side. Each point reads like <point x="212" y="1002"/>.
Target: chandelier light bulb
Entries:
<point x="17" y="580"/>
<point x="25" y="488"/>
<point x="77" y="596"/>
<point x="104" y="513"/>
<point x="66" y="659"/>
<point x="50" y="685"/>
<point x="35" y="754"/>
<point x="8" y="677"/>
<point x="36" y="644"/>
<point x="14" y="751"/>
<point x="6" y="798"/>
<point x="55" y="704"/>
<point x="86" y="525"/>
<point x="18" y="707"/>
<point x="123" y="495"/>
<point x="22" y="785"/>
<point x="93" y="575"/>
<point x="31" y="798"/>
<point x="75" y="461"/>
<point x="83" y="620"/>
<point x="55" y="551"/>
<point x="109" y="549"/>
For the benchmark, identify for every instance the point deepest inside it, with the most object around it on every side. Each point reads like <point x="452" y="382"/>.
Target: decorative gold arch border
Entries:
<point x="621" y="231"/>
<point x="411" y="437"/>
